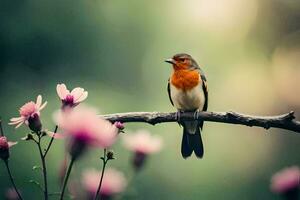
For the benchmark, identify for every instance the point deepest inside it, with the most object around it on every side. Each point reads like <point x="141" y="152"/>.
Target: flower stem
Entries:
<point x="51" y="141"/>
<point x="66" y="179"/>
<point x="105" y="160"/>
<point x="44" y="169"/>
<point x="1" y="129"/>
<point x="12" y="179"/>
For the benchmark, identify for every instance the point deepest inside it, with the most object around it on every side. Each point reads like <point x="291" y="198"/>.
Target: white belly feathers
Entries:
<point x="189" y="100"/>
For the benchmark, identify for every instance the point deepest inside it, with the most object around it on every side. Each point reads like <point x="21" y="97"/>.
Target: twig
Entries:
<point x="285" y="121"/>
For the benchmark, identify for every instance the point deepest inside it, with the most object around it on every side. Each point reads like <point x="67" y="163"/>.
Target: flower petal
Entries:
<point x="43" y="106"/>
<point x="19" y="124"/>
<point x="82" y="97"/>
<point x="38" y="101"/>
<point x="14" y="123"/>
<point x="16" y="119"/>
<point x="77" y="93"/>
<point x="10" y="144"/>
<point x="62" y="91"/>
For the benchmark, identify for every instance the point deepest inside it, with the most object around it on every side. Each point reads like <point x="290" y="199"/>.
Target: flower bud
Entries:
<point x="110" y="155"/>
<point x="34" y="123"/>
<point x="119" y="125"/>
<point x="4" y="148"/>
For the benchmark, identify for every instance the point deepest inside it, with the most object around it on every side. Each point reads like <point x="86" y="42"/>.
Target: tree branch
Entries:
<point x="285" y="121"/>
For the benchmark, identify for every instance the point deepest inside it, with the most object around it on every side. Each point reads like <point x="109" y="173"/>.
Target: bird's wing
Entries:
<point x="205" y="90"/>
<point x="204" y="87"/>
<point x="169" y="92"/>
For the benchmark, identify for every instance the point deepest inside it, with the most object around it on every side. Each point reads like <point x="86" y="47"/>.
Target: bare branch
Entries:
<point x="285" y="121"/>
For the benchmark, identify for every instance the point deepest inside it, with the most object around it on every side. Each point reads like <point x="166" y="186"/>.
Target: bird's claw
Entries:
<point x="177" y="115"/>
<point x="196" y="115"/>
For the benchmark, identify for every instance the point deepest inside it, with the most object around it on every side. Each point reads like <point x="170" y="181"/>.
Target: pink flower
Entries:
<point x="113" y="182"/>
<point x="72" y="98"/>
<point x="142" y="142"/>
<point x="286" y="180"/>
<point x="4" y="147"/>
<point x="84" y="127"/>
<point x="29" y="111"/>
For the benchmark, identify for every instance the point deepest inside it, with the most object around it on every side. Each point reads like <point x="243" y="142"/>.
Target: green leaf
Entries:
<point x="36" y="167"/>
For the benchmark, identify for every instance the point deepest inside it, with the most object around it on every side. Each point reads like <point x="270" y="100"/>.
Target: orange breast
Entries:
<point x="185" y="79"/>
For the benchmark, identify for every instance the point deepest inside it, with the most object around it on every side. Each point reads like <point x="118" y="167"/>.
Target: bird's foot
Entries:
<point x="178" y="116"/>
<point x="196" y="115"/>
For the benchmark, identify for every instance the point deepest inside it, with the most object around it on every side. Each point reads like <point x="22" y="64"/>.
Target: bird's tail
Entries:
<point x="191" y="141"/>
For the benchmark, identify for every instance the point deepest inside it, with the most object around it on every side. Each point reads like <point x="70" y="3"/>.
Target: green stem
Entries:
<point x="44" y="169"/>
<point x="12" y="179"/>
<point x="104" y="159"/>
<point x="7" y="166"/>
<point x="51" y="141"/>
<point x="66" y="179"/>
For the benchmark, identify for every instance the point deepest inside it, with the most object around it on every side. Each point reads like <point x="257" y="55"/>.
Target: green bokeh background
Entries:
<point x="250" y="51"/>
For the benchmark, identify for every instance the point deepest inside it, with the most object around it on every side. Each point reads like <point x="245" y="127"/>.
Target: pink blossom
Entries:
<point x="73" y="98"/>
<point x="27" y="111"/>
<point x="113" y="182"/>
<point x="4" y="147"/>
<point x="286" y="180"/>
<point x="84" y="127"/>
<point x="142" y="142"/>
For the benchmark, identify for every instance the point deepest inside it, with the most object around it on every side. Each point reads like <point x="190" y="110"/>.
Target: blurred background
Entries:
<point x="249" y="50"/>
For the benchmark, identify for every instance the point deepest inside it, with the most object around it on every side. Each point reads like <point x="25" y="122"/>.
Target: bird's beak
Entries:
<point x="171" y="61"/>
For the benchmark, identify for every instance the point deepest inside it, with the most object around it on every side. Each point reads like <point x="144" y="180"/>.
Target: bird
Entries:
<point x="188" y="92"/>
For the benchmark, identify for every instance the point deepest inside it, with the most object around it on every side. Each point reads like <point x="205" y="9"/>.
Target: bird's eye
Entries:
<point x="182" y="59"/>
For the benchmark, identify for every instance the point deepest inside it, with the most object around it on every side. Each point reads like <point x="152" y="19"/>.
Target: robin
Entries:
<point x="188" y="92"/>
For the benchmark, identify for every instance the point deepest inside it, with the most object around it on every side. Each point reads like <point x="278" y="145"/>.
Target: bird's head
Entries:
<point x="182" y="61"/>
